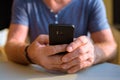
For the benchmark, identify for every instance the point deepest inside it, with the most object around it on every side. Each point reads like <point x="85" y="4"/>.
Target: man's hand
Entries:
<point x="80" y="55"/>
<point x="42" y="54"/>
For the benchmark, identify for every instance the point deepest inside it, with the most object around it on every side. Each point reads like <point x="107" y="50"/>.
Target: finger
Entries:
<point x="69" y="56"/>
<point x="71" y="63"/>
<point x="56" y="67"/>
<point x="49" y="64"/>
<point x="84" y="57"/>
<point x="52" y="67"/>
<point x="51" y="50"/>
<point x="79" y="51"/>
<point x="55" y="59"/>
<point x="86" y="64"/>
<point x="91" y="60"/>
<point x="76" y="43"/>
<point x="74" y="69"/>
<point x="79" y="67"/>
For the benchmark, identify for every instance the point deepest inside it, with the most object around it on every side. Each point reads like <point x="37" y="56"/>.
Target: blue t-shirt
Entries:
<point x="86" y="15"/>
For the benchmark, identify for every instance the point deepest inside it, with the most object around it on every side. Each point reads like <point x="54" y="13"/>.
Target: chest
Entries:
<point x="42" y="16"/>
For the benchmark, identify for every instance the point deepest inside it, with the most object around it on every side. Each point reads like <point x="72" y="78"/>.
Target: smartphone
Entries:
<point x="61" y="34"/>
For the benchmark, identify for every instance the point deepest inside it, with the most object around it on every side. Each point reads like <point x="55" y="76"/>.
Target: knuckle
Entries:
<point x="39" y="37"/>
<point x="79" y="38"/>
<point x="80" y="50"/>
<point x="80" y="59"/>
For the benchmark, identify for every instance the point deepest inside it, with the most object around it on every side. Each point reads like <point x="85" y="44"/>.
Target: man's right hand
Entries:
<point x="41" y="53"/>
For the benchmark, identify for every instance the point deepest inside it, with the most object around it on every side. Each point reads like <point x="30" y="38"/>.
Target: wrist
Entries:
<point x="99" y="55"/>
<point x="27" y="55"/>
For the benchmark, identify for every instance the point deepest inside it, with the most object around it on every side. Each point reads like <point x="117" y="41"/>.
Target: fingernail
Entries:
<point x="69" y="49"/>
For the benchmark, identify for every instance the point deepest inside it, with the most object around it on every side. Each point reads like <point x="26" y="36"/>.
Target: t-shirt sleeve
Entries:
<point x="97" y="18"/>
<point x="19" y="12"/>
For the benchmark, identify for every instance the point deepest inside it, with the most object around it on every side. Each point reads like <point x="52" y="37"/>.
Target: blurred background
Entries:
<point x="112" y="8"/>
<point x="113" y="12"/>
<point x="5" y="13"/>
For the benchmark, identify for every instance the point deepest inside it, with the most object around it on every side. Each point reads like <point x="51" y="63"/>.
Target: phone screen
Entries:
<point x="61" y="34"/>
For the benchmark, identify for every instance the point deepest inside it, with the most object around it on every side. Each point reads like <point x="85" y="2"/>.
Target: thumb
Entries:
<point x="51" y="50"/>
<point x="43" y="39"/>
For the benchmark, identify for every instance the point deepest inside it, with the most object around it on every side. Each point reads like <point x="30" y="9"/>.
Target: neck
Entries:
<point x="61" y="1"/>
<point x="56" y="5"/>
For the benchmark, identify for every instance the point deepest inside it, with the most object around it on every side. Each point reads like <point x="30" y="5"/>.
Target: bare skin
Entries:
<point x="82" y="52"/>
<point x="56" y="5"/>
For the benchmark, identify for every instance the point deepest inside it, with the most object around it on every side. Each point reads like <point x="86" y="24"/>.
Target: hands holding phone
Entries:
<point x="80" y="52"/>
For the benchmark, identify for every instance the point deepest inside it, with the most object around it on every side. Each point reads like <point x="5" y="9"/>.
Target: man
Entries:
<point x="34" y="16"/>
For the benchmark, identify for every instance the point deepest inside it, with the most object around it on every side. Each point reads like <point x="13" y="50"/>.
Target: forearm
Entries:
<point x="15" y="52"/>
<point x="104" y="52"/>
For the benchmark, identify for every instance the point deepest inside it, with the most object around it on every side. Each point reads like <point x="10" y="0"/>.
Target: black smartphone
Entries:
<point x="61" y="34"/>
